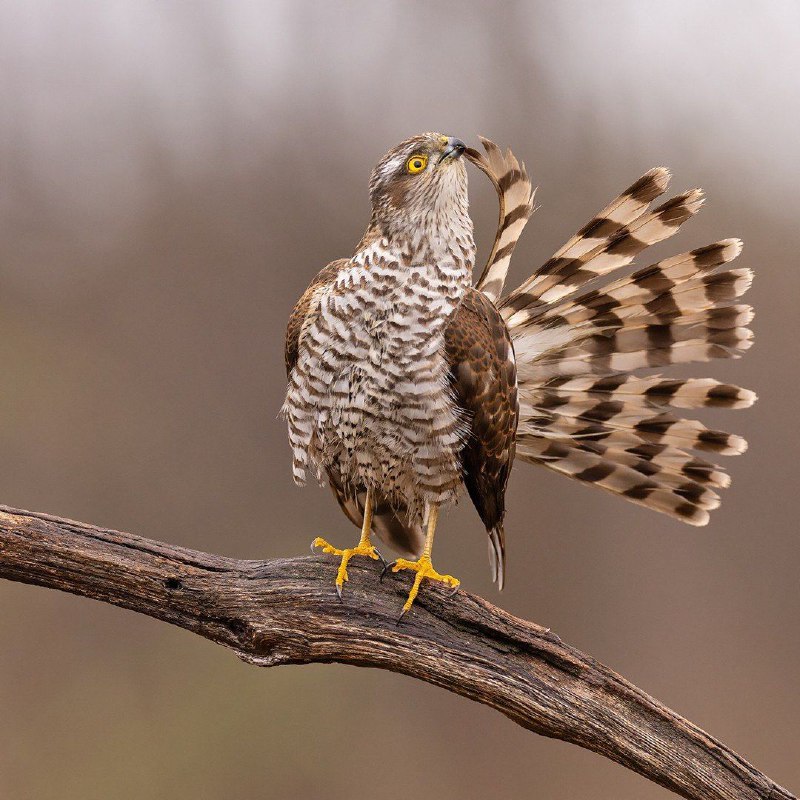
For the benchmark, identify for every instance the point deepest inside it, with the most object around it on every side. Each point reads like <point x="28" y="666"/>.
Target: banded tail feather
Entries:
<point x="561" y="277"/>
<point x="628" y="426"/>
<point x="586" y="409"/>
<point x="609" y="225"/>
<point x="515" y="195"/>
<point x="649" y="290"/>
<point x="688" y="501"/>
<point x="653" y="391"/>
<point x="615" y="216"/>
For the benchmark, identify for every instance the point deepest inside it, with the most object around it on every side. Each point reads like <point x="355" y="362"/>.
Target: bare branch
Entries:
<point x="286" y="612"/>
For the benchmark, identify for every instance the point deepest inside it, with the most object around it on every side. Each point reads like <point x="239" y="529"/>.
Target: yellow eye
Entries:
<point x="417" y="163"/>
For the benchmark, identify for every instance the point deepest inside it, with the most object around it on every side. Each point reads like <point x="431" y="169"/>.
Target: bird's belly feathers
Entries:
<point x="371" y="397"/>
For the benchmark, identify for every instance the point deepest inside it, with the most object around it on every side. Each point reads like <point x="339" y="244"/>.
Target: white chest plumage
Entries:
<point x="369" y="396"/>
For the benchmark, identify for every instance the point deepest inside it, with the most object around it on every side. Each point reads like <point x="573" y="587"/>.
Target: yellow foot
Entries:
<point x="360" y="550"/>
<point x="424" y="569"/>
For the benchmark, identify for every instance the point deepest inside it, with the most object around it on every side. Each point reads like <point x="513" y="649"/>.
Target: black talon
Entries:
<point x="386" y="568"/>
<point x="400" y="618"/>
<point x="383" y="560"/>
<point x="455" y="589"/>
<point x="339" y="592"/>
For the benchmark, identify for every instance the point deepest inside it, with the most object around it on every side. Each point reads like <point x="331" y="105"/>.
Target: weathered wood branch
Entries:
<point x="286" y="612"/>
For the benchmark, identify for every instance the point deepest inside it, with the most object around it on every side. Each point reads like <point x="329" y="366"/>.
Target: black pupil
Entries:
<point x="417" y="164"/>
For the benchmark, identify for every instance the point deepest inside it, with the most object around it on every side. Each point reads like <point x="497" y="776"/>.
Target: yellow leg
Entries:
<point x="363" y="548"/>
<point x="423" y="566"/>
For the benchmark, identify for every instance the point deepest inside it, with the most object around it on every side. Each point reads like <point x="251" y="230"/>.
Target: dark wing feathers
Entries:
<point x="483" y="378"/>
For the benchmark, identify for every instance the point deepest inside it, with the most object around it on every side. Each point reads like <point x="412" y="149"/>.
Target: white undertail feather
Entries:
<point x="585" y="408"/>
<point x="497" y="556"/>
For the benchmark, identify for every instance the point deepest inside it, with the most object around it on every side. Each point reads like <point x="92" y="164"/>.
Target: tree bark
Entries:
<point x="286" y="612"/>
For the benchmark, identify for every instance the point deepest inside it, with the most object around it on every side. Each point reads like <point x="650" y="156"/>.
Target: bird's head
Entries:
<point x="419" y="182"/>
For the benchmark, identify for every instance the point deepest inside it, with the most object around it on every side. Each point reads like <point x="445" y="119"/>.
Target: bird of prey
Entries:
<point x="406" y="383"/>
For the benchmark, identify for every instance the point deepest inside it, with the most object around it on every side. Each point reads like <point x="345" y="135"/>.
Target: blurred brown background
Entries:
<point x="173" y="174"/>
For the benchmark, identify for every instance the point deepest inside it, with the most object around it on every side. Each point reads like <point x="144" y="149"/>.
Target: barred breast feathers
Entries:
<point x="368" y="395"/>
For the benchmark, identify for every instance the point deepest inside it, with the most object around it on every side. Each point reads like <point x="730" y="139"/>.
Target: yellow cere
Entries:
<point x="417" y="163"/>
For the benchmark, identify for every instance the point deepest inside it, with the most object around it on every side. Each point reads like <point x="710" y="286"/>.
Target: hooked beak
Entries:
<point x="453" y="149"/>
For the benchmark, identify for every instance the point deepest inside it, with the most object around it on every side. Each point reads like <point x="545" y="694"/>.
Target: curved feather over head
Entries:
<point x="515" y="194"/>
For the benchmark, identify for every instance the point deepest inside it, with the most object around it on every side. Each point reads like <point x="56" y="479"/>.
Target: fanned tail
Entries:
<point x="584" y="409"/>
